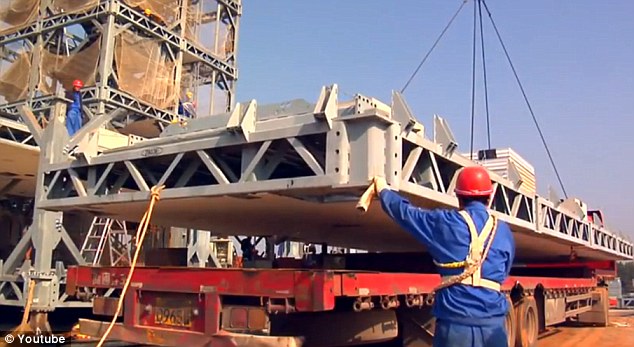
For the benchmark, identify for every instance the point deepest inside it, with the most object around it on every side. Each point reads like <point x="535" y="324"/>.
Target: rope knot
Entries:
<point x="155" y="192"/>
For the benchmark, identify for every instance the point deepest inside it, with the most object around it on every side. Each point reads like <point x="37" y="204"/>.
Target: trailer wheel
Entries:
<point x="511" y="323"/>
<point x="527" y="321"/>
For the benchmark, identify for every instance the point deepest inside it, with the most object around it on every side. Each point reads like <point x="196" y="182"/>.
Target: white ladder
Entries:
<point x="120" y="244"/>
<point x="115" y="233"/>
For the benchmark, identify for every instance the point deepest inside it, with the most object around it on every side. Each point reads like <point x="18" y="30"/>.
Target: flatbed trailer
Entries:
<point x="319" y="307"/>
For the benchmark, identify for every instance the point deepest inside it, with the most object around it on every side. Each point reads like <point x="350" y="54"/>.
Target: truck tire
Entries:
<point x="527" y="320"/>
<point x="511" y="323"/>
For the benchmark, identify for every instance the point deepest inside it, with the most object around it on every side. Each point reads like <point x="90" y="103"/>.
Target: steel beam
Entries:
<point x="20" y="123"/>
<point x="14" y="131"/>
<point x="45" y="234"/>
<point x="304" y="143"/>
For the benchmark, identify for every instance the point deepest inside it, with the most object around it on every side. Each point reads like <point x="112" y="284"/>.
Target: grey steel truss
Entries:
<point x="14" y="131"/>
<point x="104" y="104"/>
<point x="112" y="17"/>
<point x="296" y="148"/>
<point x="45" y="234"/>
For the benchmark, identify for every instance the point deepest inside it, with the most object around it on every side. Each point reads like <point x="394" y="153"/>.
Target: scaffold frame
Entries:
<point x="104" y="105"/>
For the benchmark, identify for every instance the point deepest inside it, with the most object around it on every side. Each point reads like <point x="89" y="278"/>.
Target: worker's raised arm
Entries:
<point x="417" y="221"/>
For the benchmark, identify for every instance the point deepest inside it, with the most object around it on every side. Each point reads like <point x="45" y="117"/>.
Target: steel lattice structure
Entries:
<point x="295" y="154"/>
<point x="196" y="66"/>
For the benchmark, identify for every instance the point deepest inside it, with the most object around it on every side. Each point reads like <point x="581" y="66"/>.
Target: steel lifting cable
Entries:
<point x="484" y="75"/>
<point x="433" y="46"/>
<point x="477" y="17"/>
<point x="473" y="79"/>
<point x="155" y="193"/>
<point x="530" y="108"/>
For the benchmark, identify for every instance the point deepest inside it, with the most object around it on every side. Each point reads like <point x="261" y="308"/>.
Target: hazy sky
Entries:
<point x="575" y="59"/>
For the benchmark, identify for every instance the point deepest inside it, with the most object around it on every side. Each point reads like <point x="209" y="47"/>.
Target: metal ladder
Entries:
<point x="104" y="230"/>
<point x="119" y="244"/>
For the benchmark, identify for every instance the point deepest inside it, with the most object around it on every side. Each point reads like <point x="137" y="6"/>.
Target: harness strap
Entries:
<point x="476" y="248"/>
<point x="483" y="283"/>
<point x="472" y="274"/>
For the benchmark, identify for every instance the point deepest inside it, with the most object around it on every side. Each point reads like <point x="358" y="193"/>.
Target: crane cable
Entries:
<point x="473" y="79"/>
<point x="155" y="193"/>
<point x="433" y="46"/>
<point x="484" y="75"/>
<point x="530" y="108"/>
<point x="477" y="5"/>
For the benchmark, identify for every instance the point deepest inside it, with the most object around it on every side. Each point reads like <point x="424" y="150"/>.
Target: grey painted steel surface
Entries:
<point x="325" y="152"/>
<point x="113" y="17"/>
<point x="45" y="234"/>
<point x="17" y="132"/>
<point x="110" y="17"/>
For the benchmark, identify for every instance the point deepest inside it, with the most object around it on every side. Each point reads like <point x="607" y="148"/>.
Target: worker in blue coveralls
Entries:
<point x="74" y="117"/>
<point x="472" y="312"/>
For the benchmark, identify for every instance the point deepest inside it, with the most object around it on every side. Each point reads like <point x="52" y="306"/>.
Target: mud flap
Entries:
<point x="334" y="329"/>
<point x="599" y="314"/>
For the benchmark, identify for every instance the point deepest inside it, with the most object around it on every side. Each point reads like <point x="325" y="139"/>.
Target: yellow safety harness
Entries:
<point x="478" y="251"/>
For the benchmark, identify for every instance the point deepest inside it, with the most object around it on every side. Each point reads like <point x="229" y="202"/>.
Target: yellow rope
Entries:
<point x="140" y="235"/>
<point x="454" y="265"/>
<point x="24" y="326"/>
<point x="29" y="302"/>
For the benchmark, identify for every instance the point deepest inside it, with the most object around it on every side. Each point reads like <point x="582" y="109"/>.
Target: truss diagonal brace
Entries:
<point x="70" y="245"/>
<point x="246" y="174"/>
<point x="31" y="122"/>
<point x="137" y="177"/>
<point x="213" y="167"/>
<point x="306" y="156"/>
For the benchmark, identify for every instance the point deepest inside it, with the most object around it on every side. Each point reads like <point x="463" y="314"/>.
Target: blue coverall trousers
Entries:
<point x="73" y="121"/>
<point x="448" y="334"/>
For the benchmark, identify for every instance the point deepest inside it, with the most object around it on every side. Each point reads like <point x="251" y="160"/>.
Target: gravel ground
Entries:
<point x="619" y="334"/>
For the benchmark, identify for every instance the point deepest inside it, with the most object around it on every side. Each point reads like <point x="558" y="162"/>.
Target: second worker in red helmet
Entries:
<point x="471" y="312"/>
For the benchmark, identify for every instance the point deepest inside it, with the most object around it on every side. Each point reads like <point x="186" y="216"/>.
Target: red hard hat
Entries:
<point x="474" y="181"/>
<point x="78" y="83"/>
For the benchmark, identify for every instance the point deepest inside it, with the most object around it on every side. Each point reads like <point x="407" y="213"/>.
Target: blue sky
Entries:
<point x="575" y="59"/>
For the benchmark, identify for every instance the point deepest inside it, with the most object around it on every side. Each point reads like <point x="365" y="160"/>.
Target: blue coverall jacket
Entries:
<point x="466" y="315"/>
<point x="74" y="117"/>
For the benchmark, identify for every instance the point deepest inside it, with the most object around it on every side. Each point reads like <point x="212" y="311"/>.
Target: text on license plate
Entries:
<point x="176" y="317"/>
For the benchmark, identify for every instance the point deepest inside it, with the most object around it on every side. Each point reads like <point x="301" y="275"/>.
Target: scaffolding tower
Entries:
<point x="139" y="60"/>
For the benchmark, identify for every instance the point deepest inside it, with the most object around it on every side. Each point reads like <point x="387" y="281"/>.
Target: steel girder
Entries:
<point x="45" y="234"/>
<point x="301" y="150"/>
<point x="112" y="98"/>
<point x="17" y="132"/>
<point x="127" y="15"/>
<point x="112" y="17"/>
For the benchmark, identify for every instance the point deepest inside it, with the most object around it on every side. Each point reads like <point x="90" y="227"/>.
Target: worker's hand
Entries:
<point x="379" y="183"/>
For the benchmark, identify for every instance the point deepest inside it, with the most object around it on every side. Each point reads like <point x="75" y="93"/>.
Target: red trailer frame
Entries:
<point x="185" y="305"/>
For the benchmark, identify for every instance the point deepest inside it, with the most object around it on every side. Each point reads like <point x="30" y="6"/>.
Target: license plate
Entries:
<point x="175" y="317"/>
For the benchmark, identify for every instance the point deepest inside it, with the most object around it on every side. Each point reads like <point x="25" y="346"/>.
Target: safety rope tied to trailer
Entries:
<point x="471" y="267"/>
<point x="155" y="195"/>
